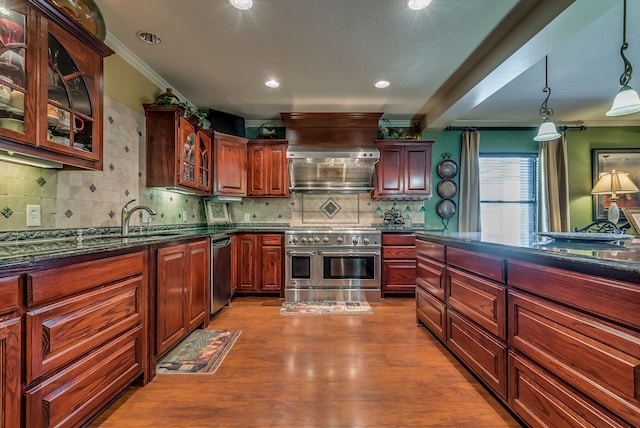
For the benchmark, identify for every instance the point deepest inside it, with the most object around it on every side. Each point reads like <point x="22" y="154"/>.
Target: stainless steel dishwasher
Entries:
<point x="220" y="272"/>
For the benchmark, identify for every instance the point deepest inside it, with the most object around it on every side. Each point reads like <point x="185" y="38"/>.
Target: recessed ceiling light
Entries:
<point x="148" y="37"/>
<point x="242" y="4"/>
<point x="418" y="4"/>
<point x="272" y="83"/>
<point x="381" y="84"/>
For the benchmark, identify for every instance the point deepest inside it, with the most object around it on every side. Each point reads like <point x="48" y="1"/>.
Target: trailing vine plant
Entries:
<point x="169" y="99"/>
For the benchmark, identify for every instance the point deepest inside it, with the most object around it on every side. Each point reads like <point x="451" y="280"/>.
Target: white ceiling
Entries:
<point x="459" y="62"/>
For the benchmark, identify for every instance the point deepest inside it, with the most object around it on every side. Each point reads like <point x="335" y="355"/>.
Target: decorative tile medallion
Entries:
<point x="111" y="214"/>
<point x="41" y="181"/>
<point x="68" y="213"/>
<point x="92" y="188"/>
<point x="111" y="167"/>
<point x="330" y="208"/>
<point x="6" y="212"/>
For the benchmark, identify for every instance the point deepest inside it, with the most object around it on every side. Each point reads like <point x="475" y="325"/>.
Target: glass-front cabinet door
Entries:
<point x="204" y="161"/>
<point x="17" y="87"/>
<point x="71" y="90"/>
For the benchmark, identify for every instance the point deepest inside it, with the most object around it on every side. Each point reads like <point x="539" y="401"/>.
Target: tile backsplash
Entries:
<point x="71" y="199"/>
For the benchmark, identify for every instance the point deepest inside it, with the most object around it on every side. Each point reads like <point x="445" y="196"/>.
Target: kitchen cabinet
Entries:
<point x="10" y="352"/>
<point x="51" y="72"/>
<point x="404" y="170"/>
<point x="398" y="263"/>
<point x="431" y="308"/>
<point x="230" y="165"/>
<point x="85" y="336"/>
<point x="559" y="346"/>
<point x="178" y="153"/>
<point x="267" y="172"/>
<point x="259" y="262"/>
<point x="182" y="292"/>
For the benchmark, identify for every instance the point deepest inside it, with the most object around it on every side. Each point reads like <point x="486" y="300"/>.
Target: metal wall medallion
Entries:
<point x="447" y="188"/>
<point x="446" y="209"/>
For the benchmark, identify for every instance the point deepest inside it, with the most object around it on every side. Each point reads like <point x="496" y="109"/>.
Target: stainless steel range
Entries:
<point x="332" y="264"/>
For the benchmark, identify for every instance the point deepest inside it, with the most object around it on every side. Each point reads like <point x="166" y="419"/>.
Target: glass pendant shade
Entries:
<point x="547" y="132"/>
<point x="626" y="101"/>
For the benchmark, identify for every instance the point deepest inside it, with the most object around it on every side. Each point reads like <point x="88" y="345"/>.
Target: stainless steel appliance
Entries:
<point x="332" y="264"/>
<point x="331" y="169"/>
<point x="220" y="272"/>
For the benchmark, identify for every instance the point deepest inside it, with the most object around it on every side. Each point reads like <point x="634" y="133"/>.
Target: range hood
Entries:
<point x="318" y="168"/>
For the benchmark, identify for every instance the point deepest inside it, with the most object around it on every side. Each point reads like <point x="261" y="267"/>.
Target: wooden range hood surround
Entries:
<point x="331" y="129"/>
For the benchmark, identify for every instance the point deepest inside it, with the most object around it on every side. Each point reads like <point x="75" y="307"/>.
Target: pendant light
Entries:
<point x="627" y="100"/>
<point x="547" y="131"/>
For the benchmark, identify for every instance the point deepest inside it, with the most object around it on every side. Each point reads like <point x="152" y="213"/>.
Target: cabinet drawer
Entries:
<point x="615" y="300"/>
<point x="72" y="396"/>
<point x="272" y="239"/>
<point x="398" y="239"/>
<point x="482" y="301"/>
<point x="430" y="276"/>
<point x="542" y="400"/>
<point x="399" y="253"/>
<point x="59" y="333"/>
<point x="56" y="283"/>
<point x="432" y="312"/>
<point x="482" y="353"/>
<point x="9" y="288"/>
<point x="431" y="249"/>
<point x="399" y="275"/>
<point x="598" y="358"/>
<point x="481" y="264"/>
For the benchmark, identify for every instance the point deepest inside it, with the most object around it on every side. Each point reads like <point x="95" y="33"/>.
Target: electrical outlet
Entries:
<point x="34" y="216"/>
<point x="247" y="217"/>
<point x="185" y="216"/>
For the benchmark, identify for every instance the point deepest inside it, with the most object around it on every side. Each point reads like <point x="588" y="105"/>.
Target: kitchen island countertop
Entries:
<point x="620" y="258"/>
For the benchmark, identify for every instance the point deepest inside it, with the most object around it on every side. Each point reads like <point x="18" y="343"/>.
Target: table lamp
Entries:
<point x="611" y="184"/>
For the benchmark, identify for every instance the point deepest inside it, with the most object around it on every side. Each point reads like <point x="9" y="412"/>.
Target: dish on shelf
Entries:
<point x="12" y="124"/>
<point x="585" y="237"/>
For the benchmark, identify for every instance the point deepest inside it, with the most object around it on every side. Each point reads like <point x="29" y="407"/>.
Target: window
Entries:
<point x="508" y="195"/>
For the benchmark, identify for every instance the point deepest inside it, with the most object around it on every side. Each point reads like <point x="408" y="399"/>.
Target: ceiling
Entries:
<point x="458" y="62"/>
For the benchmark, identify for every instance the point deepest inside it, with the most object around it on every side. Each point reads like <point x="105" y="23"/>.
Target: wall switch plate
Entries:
<point x="247" y="217"/>
<point x="34" y="215"/>
<point x="185" y="216"/>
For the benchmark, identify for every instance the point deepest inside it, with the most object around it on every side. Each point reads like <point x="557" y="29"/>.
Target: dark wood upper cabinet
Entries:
<point x="230" y="165"/>
<point x="404" y="170"/>
<point x="178" y="152"/>
<point x="51" y="73"/>
<point x="267" y="172"/>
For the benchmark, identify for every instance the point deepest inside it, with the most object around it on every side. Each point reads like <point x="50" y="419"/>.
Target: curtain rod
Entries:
<point x="508" y="128"/>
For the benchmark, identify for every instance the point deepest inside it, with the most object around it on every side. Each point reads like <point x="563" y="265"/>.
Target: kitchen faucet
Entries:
<point x="126" y="216"/>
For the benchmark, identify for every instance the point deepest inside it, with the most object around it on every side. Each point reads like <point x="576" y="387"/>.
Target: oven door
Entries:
<point x="350" y="268"/>
<point x="302" y="268"/>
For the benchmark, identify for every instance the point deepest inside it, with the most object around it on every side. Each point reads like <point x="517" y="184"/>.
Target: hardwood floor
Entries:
<point x="379" y="370"/>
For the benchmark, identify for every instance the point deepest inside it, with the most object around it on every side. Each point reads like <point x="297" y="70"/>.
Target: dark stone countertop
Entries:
<point x="621" y="257"/>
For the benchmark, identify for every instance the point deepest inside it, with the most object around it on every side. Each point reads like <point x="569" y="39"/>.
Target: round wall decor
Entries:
<point x="446" y="208"/>
<point x="447" y="188"/>
<point x="447" y="168"/>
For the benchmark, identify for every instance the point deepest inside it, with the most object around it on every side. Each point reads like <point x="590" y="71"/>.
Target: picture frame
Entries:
<point x="623" y="160"/>
<point x="217" y="213"/>
<point x="633" y="217"/>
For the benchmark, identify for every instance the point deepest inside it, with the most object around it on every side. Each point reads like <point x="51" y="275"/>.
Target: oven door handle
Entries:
<point x="301" y="253"/>
<point x="349" y="253"/>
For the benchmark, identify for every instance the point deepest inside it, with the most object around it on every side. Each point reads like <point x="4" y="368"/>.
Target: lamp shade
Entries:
<point x="625" y="102"/>
<point x="613" y="183"/>
<point x="547" y="132"/>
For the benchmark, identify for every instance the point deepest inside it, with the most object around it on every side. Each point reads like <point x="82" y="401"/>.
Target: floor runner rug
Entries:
<point x="325" y="308"/>
<point x="200" y="352"/>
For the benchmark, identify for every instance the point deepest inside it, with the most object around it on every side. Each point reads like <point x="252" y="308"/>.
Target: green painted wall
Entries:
<point x="127" y="85"/>
<point x="579" y="146"/>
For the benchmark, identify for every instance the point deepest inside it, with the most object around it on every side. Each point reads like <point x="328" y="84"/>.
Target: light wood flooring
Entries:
<point x="380" y="370"/>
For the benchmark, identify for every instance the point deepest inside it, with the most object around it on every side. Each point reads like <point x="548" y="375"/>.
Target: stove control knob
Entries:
<point x="325" y="240"/>
<point x="355" y="240"/>
<point x="304" y="240"/>
<point x="339" y="240"/>
<point x="316" y="240"/>
<point x="295" y="240"/>
<point x="366" y="241"/>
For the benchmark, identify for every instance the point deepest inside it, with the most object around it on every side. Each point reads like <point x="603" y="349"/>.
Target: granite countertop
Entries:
<point x="621" y="255"/>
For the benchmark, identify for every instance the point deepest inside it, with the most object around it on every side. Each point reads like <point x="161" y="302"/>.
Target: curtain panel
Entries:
<point x="469" y="202"/>
<point x="553" y="186"/>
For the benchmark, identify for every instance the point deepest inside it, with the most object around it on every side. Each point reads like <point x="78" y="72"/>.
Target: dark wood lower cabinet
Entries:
<point x="258" y="261"/>
<point x="10" y="352"/>
<point x="542" y="400"/>
<point x="484" y="354"/>
<point x="398" y="263"/>
<point x="561" y="348"/>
